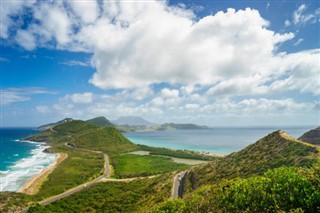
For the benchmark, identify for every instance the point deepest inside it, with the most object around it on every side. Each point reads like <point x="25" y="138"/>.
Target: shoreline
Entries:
<point x="32" y="186"/>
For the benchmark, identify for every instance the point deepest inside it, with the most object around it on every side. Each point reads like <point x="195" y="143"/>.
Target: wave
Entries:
<point x="19" y="173"/>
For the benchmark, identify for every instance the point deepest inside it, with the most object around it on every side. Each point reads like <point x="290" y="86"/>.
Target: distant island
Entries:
<point x="131" y="124"/>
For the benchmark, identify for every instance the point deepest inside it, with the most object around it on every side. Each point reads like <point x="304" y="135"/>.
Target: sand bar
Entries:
<point x="32" y="186"/>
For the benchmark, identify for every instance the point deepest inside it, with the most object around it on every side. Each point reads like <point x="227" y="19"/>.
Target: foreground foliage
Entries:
<point x="135" y="196"/>
<point x="282" y="189"/>
<point x="130" y="165"/>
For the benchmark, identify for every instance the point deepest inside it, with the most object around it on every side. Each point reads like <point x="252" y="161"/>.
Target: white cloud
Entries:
<point x="301" y="17"/>
<point x="76" y="63"/>
<point x="86" y="10"/>
<point x="12" y="95"/>
<point x="287" y="23"/>
<point x="298" y="42"/>
<point x="138" y="44"/>
<point x="56" y="21"/>
<point x="9" y="8"/>
<point x="26" y="39"/>
<point x="167" y="93"/>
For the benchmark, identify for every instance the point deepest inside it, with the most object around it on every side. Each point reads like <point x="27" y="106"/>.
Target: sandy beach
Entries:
<point x="32" y="186"/>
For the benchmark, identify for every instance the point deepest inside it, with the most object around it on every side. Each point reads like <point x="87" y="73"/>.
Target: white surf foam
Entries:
<point x="19" y="173"/>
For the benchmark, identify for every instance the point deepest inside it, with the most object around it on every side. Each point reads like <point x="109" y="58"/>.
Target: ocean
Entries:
<point x="20" y="160"/>
<point x="219" y="140"/>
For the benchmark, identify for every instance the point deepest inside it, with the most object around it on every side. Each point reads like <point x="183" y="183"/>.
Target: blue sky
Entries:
<point x="218" y="63"/>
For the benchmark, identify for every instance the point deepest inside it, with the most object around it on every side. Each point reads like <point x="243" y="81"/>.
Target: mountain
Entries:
<point x="312" y="136"/>
<point x="132" y="121"/>
<point x="173" y="126"/>
<point x="100" y="121"/>
<point x="48" y="126"/>
<point x="275" y="150"/>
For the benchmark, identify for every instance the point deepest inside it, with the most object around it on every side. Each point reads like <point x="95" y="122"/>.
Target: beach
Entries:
<point x="32" y="186"/>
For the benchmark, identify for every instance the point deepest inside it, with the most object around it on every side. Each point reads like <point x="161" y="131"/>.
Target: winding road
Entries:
<point x="177" y="187"/>
<point x="105" y="177"/>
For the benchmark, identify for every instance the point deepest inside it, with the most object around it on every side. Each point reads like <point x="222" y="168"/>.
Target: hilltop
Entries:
<point x="100" y="121"/>
<point x="312" y="136"/>
<point x="275" y="150"/>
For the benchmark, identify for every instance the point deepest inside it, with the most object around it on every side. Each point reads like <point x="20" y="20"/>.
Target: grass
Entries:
<point x="176" y="153"/>
<point x="129" y="165"/>
<point x="105" y="139"/>
<point x="78" y="168"/>
<point x="15" y="202"/>
<point x="135" y="196"/>
<point x="270" y="152"/>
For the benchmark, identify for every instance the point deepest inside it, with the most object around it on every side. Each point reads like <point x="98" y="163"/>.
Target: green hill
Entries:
<point x="105" y="139"/>
<point x="312" y="136"/>
<point x="100" y="121"/>
<point x="275" y="150"/>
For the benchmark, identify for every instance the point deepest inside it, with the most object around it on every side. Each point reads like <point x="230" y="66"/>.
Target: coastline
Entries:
<point x="32" y="186"/>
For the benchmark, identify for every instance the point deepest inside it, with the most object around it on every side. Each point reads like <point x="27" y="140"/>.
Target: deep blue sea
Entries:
<point x="219" y="140"/>
<point x="20" y="160"/>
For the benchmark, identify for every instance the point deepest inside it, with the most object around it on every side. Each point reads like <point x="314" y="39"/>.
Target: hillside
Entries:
<point x="275" y="150"/>
<point x="132" y="121"/>
<point x="312" y="136"/>
<point x="51" y="125"/>
<point x="105" y="139"/>
<point x="100" y="121"/>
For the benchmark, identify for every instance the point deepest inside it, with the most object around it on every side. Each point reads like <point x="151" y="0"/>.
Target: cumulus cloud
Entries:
<point x="138" y="44"/>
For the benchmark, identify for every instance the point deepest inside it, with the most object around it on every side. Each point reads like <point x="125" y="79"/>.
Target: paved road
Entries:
<point x="177" y="185"/>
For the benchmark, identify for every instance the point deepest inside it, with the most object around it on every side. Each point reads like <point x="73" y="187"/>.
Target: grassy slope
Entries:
<point x="135" y="196"/>
<point x="100" y="121"/>
<point x="274" y="150"/>
<point x="105" y="139"/>
<point x="128" y="165"/>
<point x="78" y="168"/>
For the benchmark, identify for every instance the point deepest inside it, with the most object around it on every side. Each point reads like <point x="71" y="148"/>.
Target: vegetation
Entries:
<point x="135" y="196"/>
<point x="176" y="153"/>
<point x="272" y="151"/>
<point x="105" y="139"/>
<point x="129" y="165"/>
<point x="78" y="168"/>
<point x="282" y="189"/>
<point x="100" y="121"/>
<point x="15" y="202"/>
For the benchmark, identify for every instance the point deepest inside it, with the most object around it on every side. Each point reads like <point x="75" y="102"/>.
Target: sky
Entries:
<point x="215" y="63"/>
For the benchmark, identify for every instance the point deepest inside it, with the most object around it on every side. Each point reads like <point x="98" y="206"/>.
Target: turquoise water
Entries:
<point x="20" y="160"/>
<point x="216" y="140"/>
